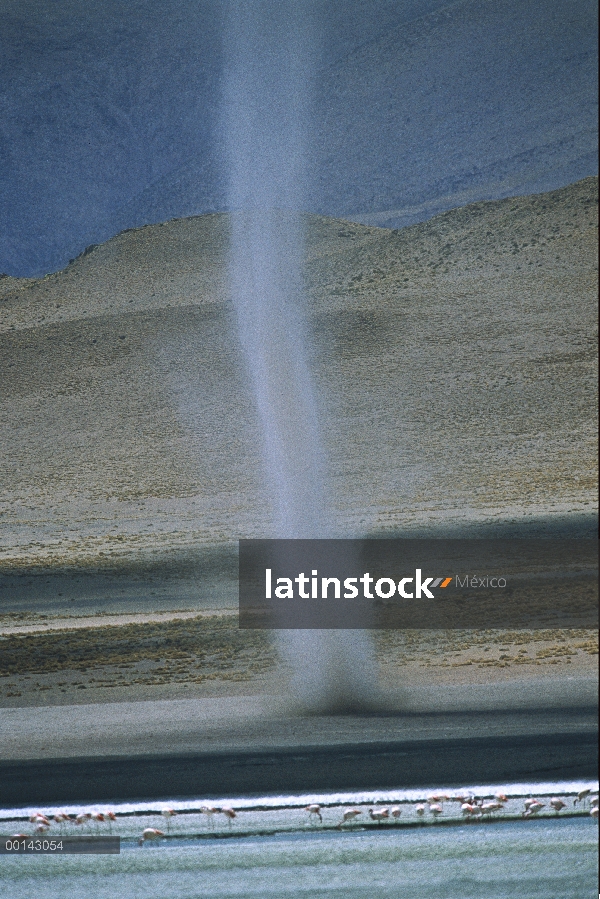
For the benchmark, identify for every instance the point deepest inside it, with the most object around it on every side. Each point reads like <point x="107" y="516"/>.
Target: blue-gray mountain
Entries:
<point x="110" y="113"/>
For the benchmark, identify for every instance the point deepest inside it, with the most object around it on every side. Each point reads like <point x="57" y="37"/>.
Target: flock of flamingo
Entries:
<point x="472" y="808"/>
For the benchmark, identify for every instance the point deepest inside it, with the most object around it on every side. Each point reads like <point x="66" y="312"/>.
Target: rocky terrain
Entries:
<point x="46" y="660"/>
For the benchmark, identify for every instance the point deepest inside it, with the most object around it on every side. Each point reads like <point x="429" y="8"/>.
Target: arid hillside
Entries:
<point x="455" y="364"/>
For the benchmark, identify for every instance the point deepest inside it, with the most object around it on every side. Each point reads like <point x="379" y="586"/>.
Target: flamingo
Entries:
<point x="379" y="815"/>
<point x="594" y="812"/>
<point x="38" y="818"/>
<point x="420" y="809"/>
<point x="533" y="808"/>
<point x="83" y="818"/>
<point x="557" y="804"/>
<point x="42" y="828"/>
<point x="150" y="833"/>
<point x="349" y="815"/>
<point x="314" y="811"/>
<point x="61" y="818"/>
<point x="395" y="811"/>
<point x="436" y="809"/>
<point x="168" y="813"/>
<point x="467" y="809"/>
<point x="229" y="814"/>
<point x="582" y="796"/>
<point x="488" y="807"/>
<point x="209" y="811"/>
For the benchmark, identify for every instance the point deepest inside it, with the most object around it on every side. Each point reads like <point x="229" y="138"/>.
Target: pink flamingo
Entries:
<point x="38" y="818"/>
<point x="168" y="813"/>
<point x="395" y="811"/>
<point x="209" y="811"/>
<point x="314" y="811"/>
<point x="61" y="819"/>
<point x="229" y="814"/>
<point x="349" y="815"/>
<point x="150" y="833"/>
<point x="472" y="811"/>
<point x="557" y="804"/>
<point x="533" y="808"/>
<point x="379" y="814"/>
<point x="488" y="807"/>
<point x="82" y="818"/>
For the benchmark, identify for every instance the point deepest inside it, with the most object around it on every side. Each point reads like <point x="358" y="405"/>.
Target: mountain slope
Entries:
<point x="454" y="362"/>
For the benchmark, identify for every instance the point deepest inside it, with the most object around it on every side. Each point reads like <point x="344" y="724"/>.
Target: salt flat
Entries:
<point x="163" y="727"/>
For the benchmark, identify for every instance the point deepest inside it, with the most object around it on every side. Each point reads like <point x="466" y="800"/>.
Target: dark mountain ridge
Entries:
<point x="111" y="116"/>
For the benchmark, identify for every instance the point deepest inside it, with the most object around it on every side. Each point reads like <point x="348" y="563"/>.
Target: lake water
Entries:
<point x="523" y="859"/>
<point x="275" y="850"/>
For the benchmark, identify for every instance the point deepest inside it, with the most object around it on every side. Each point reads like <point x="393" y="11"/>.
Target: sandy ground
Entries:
<point x="65" y="661"/>
<point x="30" y="623"/>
